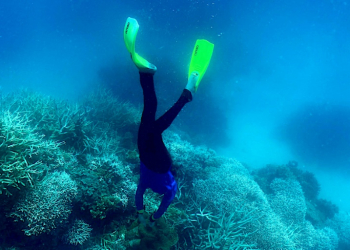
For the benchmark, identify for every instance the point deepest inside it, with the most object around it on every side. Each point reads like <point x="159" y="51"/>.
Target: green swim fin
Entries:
<point x="130" y="32"/>
<point x="201" y="55"/>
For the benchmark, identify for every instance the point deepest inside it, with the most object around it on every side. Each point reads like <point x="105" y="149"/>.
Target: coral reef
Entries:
<point x="46" y="206"/>
<point x="24" y="155"/>
<point x="318" y="210"/>
<point x="160" y="237"/>
<point x="341" y="225"/>
<point x="78" y="233"/>
<point x="71" y="171"/>
<point x="56" y="120"/>
<point x="288" y="201"/>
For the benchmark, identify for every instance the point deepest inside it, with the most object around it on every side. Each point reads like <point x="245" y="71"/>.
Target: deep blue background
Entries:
<point x="277" y="88"/>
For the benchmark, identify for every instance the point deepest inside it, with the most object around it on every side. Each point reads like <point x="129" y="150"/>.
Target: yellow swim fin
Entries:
<point x="130" y="33"/>
<point x="201" y="55"/>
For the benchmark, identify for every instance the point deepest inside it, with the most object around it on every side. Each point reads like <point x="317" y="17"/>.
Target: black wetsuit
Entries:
<point x="153" y="153"/>
<point x="155" y="159"/>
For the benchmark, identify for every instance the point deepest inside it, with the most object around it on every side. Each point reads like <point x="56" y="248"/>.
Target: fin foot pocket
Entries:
<point x="131" y="29"/>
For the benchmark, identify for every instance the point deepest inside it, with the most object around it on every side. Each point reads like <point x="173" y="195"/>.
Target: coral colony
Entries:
<point x="69" y="173"/>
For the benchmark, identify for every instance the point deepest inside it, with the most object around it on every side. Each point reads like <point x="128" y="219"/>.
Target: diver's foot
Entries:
<point x="191" y="83"/>
<point x="143" y="65"/>
<point x="151" y="69"/>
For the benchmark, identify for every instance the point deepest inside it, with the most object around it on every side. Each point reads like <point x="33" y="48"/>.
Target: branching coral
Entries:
<point x="316" y="239"/>
<point x="105" y="108"/>
<point x="102" y="144"/>
<point x="220" y="231"/>
<point x="105" y="183"/>
<point x="219" y="205"/>
<point x="229" y="187"/>
<point x="56" y="120"/>
<point x="79" y="232"/>
<point x="230" y="219"/>
<point x="47" y="205"/>
<point x="288" y="201"/>
<point x="23" y="153"/>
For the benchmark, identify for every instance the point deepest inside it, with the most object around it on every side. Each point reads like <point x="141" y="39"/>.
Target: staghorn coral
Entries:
<point x="105" y="108"/>
<point x="227" y="187"/>
<point x="114" y="124"/>
<point x="78" y="233"/>
<point x="24" y="155"/>
<point x="56" y="120"/>
<point x="47" y="206"/>
<point x="226" y="230"/>
<point x="104" y="184"/>
<point x="103" y="144"/>
<point x="230" y="188"/>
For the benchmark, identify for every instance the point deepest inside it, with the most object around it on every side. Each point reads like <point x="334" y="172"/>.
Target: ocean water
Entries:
<point x="277" y="88"/>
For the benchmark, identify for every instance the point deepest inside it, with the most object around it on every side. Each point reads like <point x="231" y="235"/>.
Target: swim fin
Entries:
<point x="130" y="32"/>
<point x="201" y="55"/>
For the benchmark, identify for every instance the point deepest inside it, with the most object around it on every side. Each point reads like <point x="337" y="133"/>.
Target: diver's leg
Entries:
<point x="146" y="129"/>
<point x="149" y="99"/>
<point x="163" y="122"/>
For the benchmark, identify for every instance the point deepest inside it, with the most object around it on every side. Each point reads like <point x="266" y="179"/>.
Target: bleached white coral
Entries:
<point x="288" y="201"/>
<point x="78" y="233"/>
<point x="47" y="205"/>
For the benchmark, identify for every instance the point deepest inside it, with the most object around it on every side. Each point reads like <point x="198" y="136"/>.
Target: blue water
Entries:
<point x="277" y="88"/>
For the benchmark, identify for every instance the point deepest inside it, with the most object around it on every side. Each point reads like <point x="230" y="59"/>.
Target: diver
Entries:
<point x="155" y="160"/>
